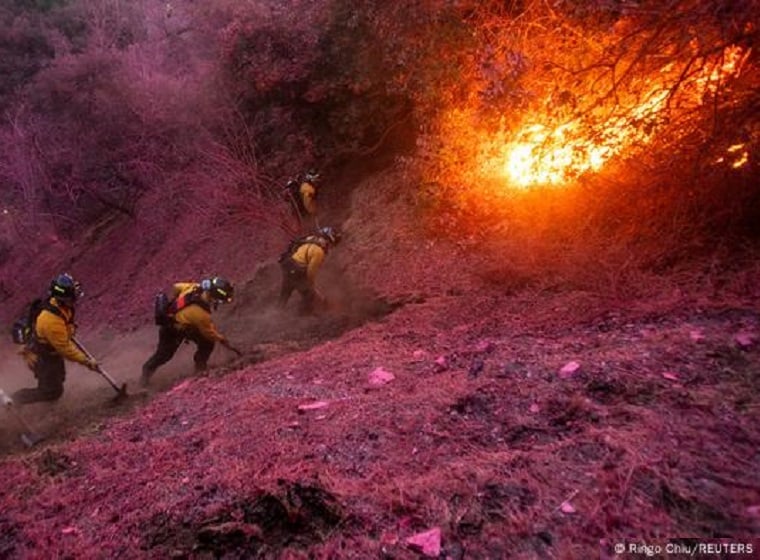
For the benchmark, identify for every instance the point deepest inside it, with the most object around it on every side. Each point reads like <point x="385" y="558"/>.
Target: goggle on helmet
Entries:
<point x="218" y="288"/>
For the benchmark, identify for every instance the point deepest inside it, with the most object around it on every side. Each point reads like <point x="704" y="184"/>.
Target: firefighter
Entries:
<point x="300" y="264"/>
<point x="302" y="194"/>
<point x="51" y="341"/>
<point x="188" y="318"/>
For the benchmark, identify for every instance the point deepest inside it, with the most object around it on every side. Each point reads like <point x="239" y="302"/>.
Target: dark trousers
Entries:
<point x="294" y="278"/>
<point x="50" y="372"/>
<point x="169" y="341"/>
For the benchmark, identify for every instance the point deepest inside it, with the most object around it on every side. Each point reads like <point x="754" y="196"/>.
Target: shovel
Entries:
<point x="121" y="390"/>
<point x="29" y="438"/>
<point x="230" y="347"/>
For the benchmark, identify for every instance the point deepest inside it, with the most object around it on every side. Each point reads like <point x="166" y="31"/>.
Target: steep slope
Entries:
<point x="482" y="431"/>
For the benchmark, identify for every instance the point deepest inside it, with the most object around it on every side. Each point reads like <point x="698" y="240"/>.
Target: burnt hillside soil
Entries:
<point x="520" y="419"/>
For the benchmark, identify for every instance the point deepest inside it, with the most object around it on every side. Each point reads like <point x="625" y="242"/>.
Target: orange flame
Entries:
<point x="545" y="154"/>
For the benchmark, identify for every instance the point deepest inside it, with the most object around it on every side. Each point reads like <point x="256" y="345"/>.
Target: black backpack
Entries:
<point x="161" y="309"/>
<point x="22" y="330"/>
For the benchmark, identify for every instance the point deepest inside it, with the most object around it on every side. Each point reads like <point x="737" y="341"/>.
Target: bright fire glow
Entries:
<point x="553" y="154"/>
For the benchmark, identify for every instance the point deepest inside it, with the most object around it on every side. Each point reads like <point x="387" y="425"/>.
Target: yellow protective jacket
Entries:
<point x="308" y="197"/>
<point x="193" y="316"/>
<point x="309" y="255"/>
<point x="57" y="332"/>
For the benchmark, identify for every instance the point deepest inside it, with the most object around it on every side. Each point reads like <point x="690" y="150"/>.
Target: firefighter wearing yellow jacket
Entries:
<point x="51" y="342"/>
<point x="308" y="192"/>
<point x="303" y="199"/>
<point x="300" y="265"/>
<point x="188" y="318"/>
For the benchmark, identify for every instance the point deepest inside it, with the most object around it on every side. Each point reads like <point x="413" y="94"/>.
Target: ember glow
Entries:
<point x="737" y="156"/>
<point x="555" y="154"/>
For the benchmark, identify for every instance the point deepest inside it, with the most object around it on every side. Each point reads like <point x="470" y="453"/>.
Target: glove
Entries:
<point x="92" y="364"/>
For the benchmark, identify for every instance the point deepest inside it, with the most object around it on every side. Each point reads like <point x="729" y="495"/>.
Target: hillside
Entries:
<point x="478" y="434"/>
<point x="543" y="331"/>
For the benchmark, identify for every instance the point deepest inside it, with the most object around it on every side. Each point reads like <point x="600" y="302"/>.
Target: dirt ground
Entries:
<point x="655" y="434"/>
<point x="501" y="422"/>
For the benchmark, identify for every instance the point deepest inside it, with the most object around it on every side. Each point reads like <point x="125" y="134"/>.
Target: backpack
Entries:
<point x="161" y="308"/>
<point x="165" y="309"/>
<point x="22" y="331"/>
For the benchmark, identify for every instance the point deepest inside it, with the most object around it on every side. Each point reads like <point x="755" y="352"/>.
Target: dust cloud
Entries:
<point x="253" y="323"/>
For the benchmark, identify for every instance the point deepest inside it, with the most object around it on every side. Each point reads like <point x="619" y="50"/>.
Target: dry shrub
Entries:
<point x="606" y="234"/>
<point x="680" y="184"/>
<point x="127" y="128"/>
